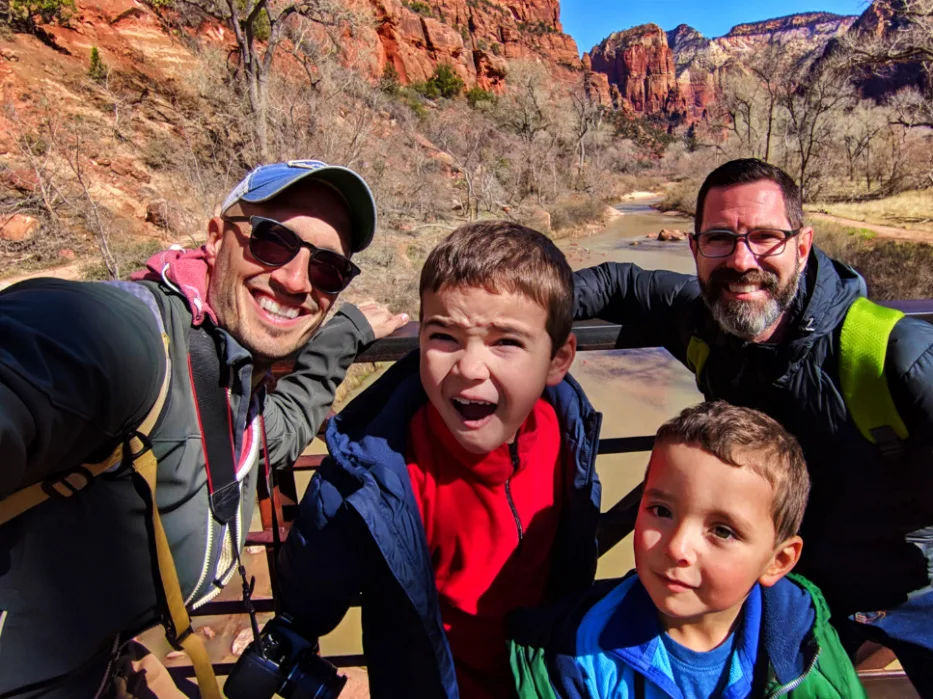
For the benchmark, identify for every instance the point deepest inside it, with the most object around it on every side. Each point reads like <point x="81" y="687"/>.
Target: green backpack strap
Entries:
<point x="697" y="354"/>
<point x="863" y="346"/>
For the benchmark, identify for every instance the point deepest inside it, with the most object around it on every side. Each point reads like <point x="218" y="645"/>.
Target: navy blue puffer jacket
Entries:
<point x="358" y="530"/>
<point x="868" y="531"/>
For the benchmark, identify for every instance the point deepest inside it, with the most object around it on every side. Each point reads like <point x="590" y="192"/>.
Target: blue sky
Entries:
<point x="591" y="21"/>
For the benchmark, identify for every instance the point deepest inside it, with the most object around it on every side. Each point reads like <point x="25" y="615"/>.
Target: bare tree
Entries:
<point x="858" y="131"/>
<point x="812" y="108"/>
<point x="259" y="27"/>
<point x="469" y="140"/>
<point x="586" y="115"/>
<point x="527" y="111"/>
<point x="909" y="36"/>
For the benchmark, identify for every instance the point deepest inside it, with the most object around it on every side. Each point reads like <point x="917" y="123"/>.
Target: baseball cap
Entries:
<point x="268" y="181"/>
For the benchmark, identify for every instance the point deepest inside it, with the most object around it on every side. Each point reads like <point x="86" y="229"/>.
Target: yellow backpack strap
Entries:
<point x="863" y="347"/>
<point x="64" y="485"/>
<point x="177" y="623"/>
<point x="697" y="354"/>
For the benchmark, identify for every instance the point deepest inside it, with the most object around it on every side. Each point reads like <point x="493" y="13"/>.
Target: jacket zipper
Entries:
<point x="791" y="686"/>
<point x="513" y="452"/>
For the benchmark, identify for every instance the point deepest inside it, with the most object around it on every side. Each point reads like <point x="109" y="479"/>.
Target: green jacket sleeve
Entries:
<point x="80" y="364"/>
<point x="294" y="411"/>
<point x="529" y="669"/>
<point x="833" y="676"/>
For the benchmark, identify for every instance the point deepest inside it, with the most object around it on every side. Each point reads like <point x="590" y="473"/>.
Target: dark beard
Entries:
<point x="743" y="318"/>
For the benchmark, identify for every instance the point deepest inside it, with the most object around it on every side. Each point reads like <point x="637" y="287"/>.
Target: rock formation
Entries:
<point x="674" y="75"/>
<point x="475" y="37"/>
<point x="640" y="64"/>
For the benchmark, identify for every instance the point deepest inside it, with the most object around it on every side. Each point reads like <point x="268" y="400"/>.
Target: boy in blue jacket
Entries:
<point x="709" y="611"/>
<point x="461" y="485"/>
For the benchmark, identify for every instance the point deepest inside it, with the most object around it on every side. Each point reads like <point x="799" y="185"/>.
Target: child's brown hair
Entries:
<point x="749" y="439"/>
<point x="501" y="256"/>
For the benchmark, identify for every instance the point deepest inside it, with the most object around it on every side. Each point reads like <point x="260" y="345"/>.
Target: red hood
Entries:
<point x="186" y="271"/>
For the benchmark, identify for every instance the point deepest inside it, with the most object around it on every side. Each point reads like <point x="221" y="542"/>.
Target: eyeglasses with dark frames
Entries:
<point x="274" y="244"/>
<point x="761" y="242"/>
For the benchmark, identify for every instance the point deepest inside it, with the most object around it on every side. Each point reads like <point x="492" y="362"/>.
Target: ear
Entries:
<point x="215" y="239"/>
<point x="804" y="243"/>
<point x="693" y="245"/>
<point x="562" y="360"/>
<point x="785" y="558"/>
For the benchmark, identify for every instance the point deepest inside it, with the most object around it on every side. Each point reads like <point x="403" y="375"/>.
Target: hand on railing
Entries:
<point x="382" y="320"/>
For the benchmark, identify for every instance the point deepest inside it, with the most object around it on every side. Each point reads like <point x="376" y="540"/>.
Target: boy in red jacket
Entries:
<point x="478" y="478"/>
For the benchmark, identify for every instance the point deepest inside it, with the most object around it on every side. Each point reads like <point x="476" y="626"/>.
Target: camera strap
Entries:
<point x="249" y="585"/>
<point x="215" y="420"/>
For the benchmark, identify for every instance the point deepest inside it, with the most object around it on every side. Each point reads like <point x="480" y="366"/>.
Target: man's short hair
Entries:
<point x="748" y="438"/>
<point x="501" y="256"/>
<point x="746" y="171"/>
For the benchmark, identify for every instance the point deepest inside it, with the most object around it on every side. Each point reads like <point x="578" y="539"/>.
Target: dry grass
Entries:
<point x="570" y="214"/>
<point x="680" y="196"/>
<point x="892" y="270"/>
<point x="912" y="209"/>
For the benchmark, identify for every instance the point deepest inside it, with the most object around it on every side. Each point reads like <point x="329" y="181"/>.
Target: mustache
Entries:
<point x="724" y="276"/>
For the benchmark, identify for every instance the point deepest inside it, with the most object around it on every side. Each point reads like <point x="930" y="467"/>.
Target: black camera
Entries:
<point x="283" y="662"/>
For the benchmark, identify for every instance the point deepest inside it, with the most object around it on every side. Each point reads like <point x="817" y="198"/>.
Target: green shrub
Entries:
<point x="496" y="49"/>
<point x="390" y="83"/>
<point x="22" y="13"/>
<point x="409" y="97"/>
<point x="98" y="70"/>
<point x="261" y="28"/>
<point x="422" y="8"/>
<point x="444" y="82"/>
<point x="477" y="95"/>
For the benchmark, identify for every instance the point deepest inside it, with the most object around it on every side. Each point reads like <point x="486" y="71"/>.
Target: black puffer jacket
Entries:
<point x="869" y="524"/>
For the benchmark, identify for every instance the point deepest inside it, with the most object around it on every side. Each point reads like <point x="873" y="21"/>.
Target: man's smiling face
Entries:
<point x="273" y="311"/>
<point x="748" y="294"/>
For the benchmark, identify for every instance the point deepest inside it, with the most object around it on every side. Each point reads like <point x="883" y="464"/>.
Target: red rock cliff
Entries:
<point x="474" y="36"/>
<point x="640" y="64"/>
<point x="675" y="75"/>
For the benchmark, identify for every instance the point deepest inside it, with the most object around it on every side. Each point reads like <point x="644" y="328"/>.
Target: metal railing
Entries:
<point x="614" y="524"/>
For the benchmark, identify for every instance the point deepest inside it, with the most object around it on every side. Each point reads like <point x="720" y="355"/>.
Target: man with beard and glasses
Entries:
<point x="760" y="325"/>
<point x="175" y="366"/>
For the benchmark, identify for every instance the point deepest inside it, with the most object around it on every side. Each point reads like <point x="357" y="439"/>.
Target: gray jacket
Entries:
<point x="80" y="366"/>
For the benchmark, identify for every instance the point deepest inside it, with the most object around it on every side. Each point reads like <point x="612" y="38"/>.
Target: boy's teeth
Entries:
<point x="275" y="309"/>
<point x="467" y="401"/>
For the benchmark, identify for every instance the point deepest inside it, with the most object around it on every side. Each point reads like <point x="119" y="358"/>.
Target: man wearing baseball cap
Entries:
<point x="115" y="397"/>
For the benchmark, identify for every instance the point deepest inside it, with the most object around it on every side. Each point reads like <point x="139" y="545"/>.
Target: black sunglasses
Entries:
<point x="273" y="244"/>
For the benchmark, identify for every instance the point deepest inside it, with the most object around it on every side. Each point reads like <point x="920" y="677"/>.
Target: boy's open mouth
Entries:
<point x="472" y="410"/>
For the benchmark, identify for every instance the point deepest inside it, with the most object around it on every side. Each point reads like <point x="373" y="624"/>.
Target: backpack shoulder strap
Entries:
<point x="697" y="354"/>
<point x="863" y="347"/>
<point x="63" y="485"/>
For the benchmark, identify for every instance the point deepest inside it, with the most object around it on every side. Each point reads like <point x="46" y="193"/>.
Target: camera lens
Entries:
<point x="313" y="678"/>
<point x="272" y="647"/>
